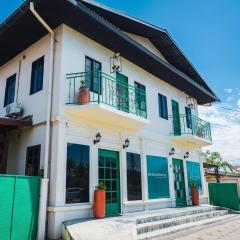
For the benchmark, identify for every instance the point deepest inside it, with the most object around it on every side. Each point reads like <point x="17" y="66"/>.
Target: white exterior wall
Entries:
<point x="154" y="139"/>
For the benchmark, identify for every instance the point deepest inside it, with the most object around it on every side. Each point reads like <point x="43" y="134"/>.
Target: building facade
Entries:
<point x="139" y="131"/>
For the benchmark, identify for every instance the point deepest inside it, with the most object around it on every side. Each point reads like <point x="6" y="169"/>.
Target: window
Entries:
<point x="77" y="175"/>
<point x="162" y="105"/>
<point x="188" y="113"/>
<point x="37" y="75"/>
<point x="140" y="99"/>
<point x="134" y="182"/>
<point x="92" y="68"/>
<point x="10" y="90"/>
<point x="33" y="160"/>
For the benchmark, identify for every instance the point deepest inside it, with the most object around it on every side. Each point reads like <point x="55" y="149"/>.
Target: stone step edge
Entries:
<point x="185" y="219"/>
<point x="162" y="216"/>
<point x="171" y="230"/>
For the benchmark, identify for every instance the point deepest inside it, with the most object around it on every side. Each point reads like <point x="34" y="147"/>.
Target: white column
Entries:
<point x="171" y="181"/>
<point x="186" y="180"/>
<point x="93" y="169"/>
<point x="144" y="171"/>
<point x="42" y="209"/>
<point x="123" y="167"/>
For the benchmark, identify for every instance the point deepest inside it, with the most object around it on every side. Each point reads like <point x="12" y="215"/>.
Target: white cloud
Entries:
<point x="228" y="90"/>
<point x="238" y="103"/>
<point x="225" y="126"/>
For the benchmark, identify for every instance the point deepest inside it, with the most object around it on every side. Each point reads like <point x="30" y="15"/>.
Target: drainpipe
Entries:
<point x="44" y="181"/>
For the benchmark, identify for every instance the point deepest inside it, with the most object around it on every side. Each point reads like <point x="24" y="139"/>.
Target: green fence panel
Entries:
<point x="22" y="214"/>
<point x="6" y="203"/>
<point x="224" y="195"/>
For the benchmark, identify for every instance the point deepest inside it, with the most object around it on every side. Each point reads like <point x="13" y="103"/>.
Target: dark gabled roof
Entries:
<point x="21" y="30"/>
<point x="158" y="36"/>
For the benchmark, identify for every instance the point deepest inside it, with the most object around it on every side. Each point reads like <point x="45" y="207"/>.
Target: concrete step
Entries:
<point x="166" y="223"/>
<point x="178" y="212"/>
<point x="170" y="230"/>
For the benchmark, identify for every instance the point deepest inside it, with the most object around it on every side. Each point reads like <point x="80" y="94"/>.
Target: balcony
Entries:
<point x="110" y="101"/>
<point x="191" y="129"/>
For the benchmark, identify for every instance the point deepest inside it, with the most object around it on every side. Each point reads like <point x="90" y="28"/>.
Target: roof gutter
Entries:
<point x="44" y="184"/>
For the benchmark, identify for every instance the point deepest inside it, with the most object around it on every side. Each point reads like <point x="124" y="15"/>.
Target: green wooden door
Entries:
<point x="176" y="118"/>
<point x="179" y="183"/>
<point x="110" y="175"/>
<point x="122" y="97"/>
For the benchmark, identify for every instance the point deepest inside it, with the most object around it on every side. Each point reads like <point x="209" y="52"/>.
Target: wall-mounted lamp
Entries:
<point x="126" y="143"/>
<point x="190" y="102"/>
<point x="186" y="155"/>
<point x="116" y="63"/>
<point x="97" y="139"/>
<point x="172" y="152"/>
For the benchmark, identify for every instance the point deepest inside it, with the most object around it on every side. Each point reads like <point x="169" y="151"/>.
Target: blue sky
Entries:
<point x="208" y="32"/>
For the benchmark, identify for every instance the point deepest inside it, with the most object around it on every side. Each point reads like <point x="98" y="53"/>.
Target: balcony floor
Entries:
<point x="191" y="139"/>
<point x="104" y="114"/>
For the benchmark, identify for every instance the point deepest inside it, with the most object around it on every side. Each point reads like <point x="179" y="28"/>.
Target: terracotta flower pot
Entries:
<point x="99" y="203"/>
<point x="195" y="196"/>
<point x="83" y="95"/>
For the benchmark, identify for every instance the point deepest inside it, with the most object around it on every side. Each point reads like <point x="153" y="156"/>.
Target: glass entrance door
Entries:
<point x="179" y="183"/>
<point x="110" y="176"/>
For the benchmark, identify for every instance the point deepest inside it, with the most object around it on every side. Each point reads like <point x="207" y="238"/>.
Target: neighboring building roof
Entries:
<point x="21" y="30"/>
<point x="9" y="123"/>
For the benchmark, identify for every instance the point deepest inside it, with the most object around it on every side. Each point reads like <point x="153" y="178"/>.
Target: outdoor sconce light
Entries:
<point x="116" y="63"/>
<point x="190" y="102"/>
<point x="186" y="155"/>
<point x="172" y="152"/>
<point x="126" y="143"/>
<point x="97" y="139"/>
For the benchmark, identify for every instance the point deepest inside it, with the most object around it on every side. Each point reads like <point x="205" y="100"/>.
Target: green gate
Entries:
<point x="224" y="195"/>
<point x="19" y="203"/>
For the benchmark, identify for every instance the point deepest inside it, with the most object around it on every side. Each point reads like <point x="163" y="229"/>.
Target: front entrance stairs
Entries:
<point x="145" y="225"/>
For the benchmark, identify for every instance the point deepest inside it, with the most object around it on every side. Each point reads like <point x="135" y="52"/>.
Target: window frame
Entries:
<point x="8" y="90"/>
<point x="143" y="111"/>
<point x="162" y="104"/>
<point x="188" y="113"/>
<point x="91" y="87"/>
<point x="128" y="154"/>
<point x="38" y="89"/>
<point x="89" y="172"/>
<point x="30" y="148"/>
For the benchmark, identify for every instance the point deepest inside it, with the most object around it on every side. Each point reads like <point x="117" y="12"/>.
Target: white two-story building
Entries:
<point x="139" y="130"/>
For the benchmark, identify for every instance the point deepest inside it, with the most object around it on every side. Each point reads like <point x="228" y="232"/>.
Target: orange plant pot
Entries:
<point x="83" y="95"/>
<point x="99" y="203"/>
<point x="195" y="196"/>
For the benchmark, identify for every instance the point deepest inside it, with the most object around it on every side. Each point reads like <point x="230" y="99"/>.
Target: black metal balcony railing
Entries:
<point x="191" y="125"/>
<point x="108" y="90"/>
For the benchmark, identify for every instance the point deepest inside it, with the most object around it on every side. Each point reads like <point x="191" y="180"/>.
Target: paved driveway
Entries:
<point x="229" y="230"/>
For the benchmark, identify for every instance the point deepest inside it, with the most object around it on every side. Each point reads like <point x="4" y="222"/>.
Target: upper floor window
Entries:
<point x="33" y="160"/>
<point x="188" y="113"/>
<point x="92" y="68"/>
<point x="140" y="99"/>
<point x="37" y="75"/>
<point x="162" y="105"/>
<point x="10" y="90"/>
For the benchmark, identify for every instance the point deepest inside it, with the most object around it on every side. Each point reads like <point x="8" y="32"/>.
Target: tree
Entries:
<point x="216" y="159"/>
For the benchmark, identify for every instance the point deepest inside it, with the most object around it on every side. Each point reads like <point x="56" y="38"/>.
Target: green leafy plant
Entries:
<point x="215" y="158"/>
<point x="101" y="186"/>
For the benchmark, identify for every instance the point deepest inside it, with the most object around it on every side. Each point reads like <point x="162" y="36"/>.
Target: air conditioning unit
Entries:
<point x="14" y="110"/>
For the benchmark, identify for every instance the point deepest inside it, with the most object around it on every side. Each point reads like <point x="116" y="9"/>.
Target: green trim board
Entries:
<point x="109" y="173"/>
<point x="179" y="182"/>
<point x="176" y="118"/>
<point x="158" y="178"/>
<point x="194" y="175"/>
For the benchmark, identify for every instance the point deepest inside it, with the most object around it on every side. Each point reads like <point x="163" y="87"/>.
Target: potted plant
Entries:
<point x="195" y="194"/>
<point x="83" y="94"/>
<point x="99" y="201"/>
